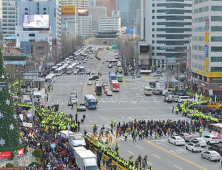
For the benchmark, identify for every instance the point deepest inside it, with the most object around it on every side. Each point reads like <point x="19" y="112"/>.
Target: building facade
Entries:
<point x="84" y="26"/>
<point x="9" y="17"/>
<point x="97" y="12"/>
<point x="110" y="4"/>
<point x="52" y="8"/>
<point x="79" y="4"/>
<point x="110" y="23"/>
<point x="69" y="23"/>
<point x="142" y="19"/>
<point x="206" y="53"/>
<point x="123" y="6"/>
<point x="168" y="28"/>
<point x="1" y="36"/>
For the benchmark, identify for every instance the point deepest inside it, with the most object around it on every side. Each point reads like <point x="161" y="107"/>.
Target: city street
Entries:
<point x="126" y="105"/>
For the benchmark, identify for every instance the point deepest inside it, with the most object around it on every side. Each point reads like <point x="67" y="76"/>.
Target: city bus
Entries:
<point x="112" y="76"/>
<point x="54" y="68"/>
<point x="49" y="79"/>
<point x="61" y="70"/>
<point x="120" y="78"/>
<point x="82" y="70"/>
<point x="70" y="68"/>
<point x="98" y="88"/>
<point x="115" y="86"/>
<point x="90" y="101"/>
<point x="216" y="130"/>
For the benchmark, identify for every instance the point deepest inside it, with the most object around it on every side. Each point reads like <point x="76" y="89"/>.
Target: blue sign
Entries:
<point x="130" y="31"/>
<point x="207" y="24"/>
<point x="206" y="50"/>
<point x="64" y="25"/>
<point x="23" y="63"/>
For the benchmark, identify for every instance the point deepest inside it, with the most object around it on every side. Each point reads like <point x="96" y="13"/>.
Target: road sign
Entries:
<point x="114" y="43"/>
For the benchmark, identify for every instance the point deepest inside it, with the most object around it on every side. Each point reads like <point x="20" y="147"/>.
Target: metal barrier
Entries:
<point x="14" y="168"/>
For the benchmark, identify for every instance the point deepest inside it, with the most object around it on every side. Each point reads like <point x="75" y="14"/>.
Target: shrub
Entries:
<point x="35" y="163"/>
<point x="38" y="154"/>
<point x="9" y="165"/>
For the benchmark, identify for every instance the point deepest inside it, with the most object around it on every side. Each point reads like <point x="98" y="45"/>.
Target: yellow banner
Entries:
<point x="68" y="10"/>
<point x="206" y="64"/>
<point x="206" y="37"/>
<point x="209" y="74"/>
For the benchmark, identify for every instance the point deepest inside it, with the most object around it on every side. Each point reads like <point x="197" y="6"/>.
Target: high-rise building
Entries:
<point x="123" y="6"/>
<point x="110" y="4"/>
<point x="80" y="4"/>
<point x="110" y="23"/>
<point x="51" y="8"/>
<point x="91" y="2"/>
<point x="9" y="17"/>
<point x="168" y="28"/>
<point x="142" y="19"/>
<point x="0" y="21"/>
<point x="133" y="14"/>
<point x="206" y="53"/>
<point x="84" y="26"/>
<point x="97" y="12"/>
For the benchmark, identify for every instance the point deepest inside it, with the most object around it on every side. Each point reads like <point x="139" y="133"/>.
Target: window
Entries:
<point x="216" y="28"/>
<point x="153" y="5"/>
<point x="153" y="17"/>
<point x="216" y="69"/>
<point x="153" y="29"/>
<point x="216" y="38"/>
<point x="153" y="23"/>
<point x="216" y="18"/>
<point x="216" y="59"/>
<point x="44" y="12"/>
<point x="31" y="35"/>
<point x="216" y="8"/>
<point x="174" y="30"/>
<point x="153" y="35"/>
<point x="39" y="48"/>
<point x="206" y="8"/>
<point x="44" y="8"/>
<point x="153" y="11"/>
<point x="216" y="49"/>
<point x="153" y="42"/>
<point x="26" y="9"/>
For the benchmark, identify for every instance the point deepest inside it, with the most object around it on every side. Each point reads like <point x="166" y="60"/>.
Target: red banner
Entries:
<point x="5" y="155"/>
<point x="20" y="152"/>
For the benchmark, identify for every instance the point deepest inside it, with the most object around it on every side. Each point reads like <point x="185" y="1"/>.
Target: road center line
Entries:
<point x="139" y="147"/>
<point x="156" y="156"/>
<point x="178" y="167"/>
<point x="131" y="152"/>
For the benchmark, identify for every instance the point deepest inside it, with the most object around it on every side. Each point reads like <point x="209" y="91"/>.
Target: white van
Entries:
<point x="148" y="91"/>
<point x="184" y="98"/>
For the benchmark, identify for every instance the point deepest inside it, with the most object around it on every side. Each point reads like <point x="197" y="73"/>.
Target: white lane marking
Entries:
<point x="149" y="163"/>
<point x="178" y="167"/>
<point x="131" y="152"/>
<point x="139" y="147"/>
<point x="162" y="144"/>
<point x="156" y="156"/>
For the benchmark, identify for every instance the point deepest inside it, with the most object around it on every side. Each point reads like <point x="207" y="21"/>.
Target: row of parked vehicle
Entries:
<point x="214" y="151"/>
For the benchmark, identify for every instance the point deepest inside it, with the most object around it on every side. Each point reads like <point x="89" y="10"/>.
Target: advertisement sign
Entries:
<point x="209" y="74"/>
<point x="115" y="13"/>
<point x="144" y="49"/>
<point x="207" y="24"/>
<point x="206" y="50"/>
<point x="206" y="37"/>
<point x="68" y="10"/>
<point x="206" y="64"/>
<point x="130" y="31"/>
<point x="22" y="63"/>
<point x="64" y="23"/>
<point x="43" y="32"/>
<point x="35" y="22"/>
<point x="83" y="12"/>
<point x="21" y="152"/>
<point x="5" y="155"/>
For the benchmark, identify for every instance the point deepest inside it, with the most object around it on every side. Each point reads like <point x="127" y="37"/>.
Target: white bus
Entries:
<point x="61" y="70"/>
<point x="49" y="79"/>
<point x="54" y="68"/>
<point x="70" y="69"/>
<point x="81" y="70"/>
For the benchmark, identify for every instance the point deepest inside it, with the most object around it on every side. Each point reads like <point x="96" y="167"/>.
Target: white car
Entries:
<point x="109" y="93"/>
<point x="194" y="147"/>
<point x="176" y="140"/>
<point x="84" y="61"/>
<point x="210" y="139"/>
<point x="199" y="141"/>
<point x="211" y="155"/>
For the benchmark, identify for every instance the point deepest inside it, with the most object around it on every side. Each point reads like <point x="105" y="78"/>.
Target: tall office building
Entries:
<point x="92" y="2"/>
<point x="97" y="12"/>
<point x="9" y="17"/>
<point x="123" y="6"/>
<point x="80" y="4"/>
<point x="206" y="53"/>
<point x="110" y="4"/>
<point x="0" y="21"/>
<point x="168" y="28"/>
<point x="134" y="8"/>
<point x="84" y="26"/>
<point x="52" y="8"/>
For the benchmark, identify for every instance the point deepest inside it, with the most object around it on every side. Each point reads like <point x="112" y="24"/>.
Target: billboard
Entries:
<point x="130" y="31"/>
<point x="35" y="22"/>
<point x="68" y="10"/>
<point x="64" y="25"/>
<point x="206" y="64"/>
<point x="206" y="37"/>
<point x="83" y="12"/>
<point x="206" y="50"/>
<point x="144" y="49"/>
<point x="115" y="13"/>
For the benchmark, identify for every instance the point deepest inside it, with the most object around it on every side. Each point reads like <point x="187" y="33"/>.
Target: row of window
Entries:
<point x="171" y="48"/>
<point x="216" y="8"/>
<point x="173" y="36"/>
<point x="174" y="24"/>
<point x="173" y="17"/>
<point x="200" y="19"/>
<point x="198" y="57"/>
<point x="216" y="59"/>
<point x="173" y="42"/>
<point x="199" y="29"/>
<point x="199" y="1"/>
<point x="170" y="55"/>
<point x="216" y="18"/>
<point x="174" y="30"/>
<point x="198" y="38"/>
<point x="200" y="10"/>
<point x="216" y="69"/>
<point x="213" y="38"/>
<point x="173" y="5"/>
<point x="198" y="48"/>
<point x="198" y="66"/>
<point x="172" y="11"/>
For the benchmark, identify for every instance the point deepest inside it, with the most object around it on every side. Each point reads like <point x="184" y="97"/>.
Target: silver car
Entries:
<point x="211" y="155"/>
<point x="193" y="147"/>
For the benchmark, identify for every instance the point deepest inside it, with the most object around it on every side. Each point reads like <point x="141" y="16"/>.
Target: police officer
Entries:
<point x="125" y="134"/>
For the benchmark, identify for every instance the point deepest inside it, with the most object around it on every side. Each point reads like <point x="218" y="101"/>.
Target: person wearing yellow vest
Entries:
<point x="125" y="134"/>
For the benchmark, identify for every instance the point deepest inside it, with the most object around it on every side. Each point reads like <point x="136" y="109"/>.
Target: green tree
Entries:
<point x="9" y="127"/>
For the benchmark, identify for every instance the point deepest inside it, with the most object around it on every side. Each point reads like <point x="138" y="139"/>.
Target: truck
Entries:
<point x="86" y="160"/>
<point x="98" y="88"/>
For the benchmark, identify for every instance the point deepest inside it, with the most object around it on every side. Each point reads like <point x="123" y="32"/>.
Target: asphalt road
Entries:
<point x="128" y="104"/>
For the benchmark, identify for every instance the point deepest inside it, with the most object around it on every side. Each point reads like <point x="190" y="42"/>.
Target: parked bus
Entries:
<point x="115" y="86"/>
<point x="82" y="70"/>
<point x="70" y="68"/>
<point x="112" y="76"/>
<point x="98" y="88"/>
<point x="91" y="102"/>
<point x="120" y="78"/>
<point x="216" y="130"/>
<point x="54" y="68"/>
<point x="49" y="79"/>
<point x="148" y="91"/>
<point x="61" y="70"/>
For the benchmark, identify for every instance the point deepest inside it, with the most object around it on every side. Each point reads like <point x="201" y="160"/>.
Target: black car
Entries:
<point x="216" y="147"/>
<point x="93" y="77"/>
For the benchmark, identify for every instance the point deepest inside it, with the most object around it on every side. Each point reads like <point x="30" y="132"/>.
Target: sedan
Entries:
<point x="186" y="136"/>
<point x="211" y="155"/>
<point x="106" y="90"/>
<point x="193" y="147"/>
<point x="210" y="139"/>
<point x="89" y="82"/>
<point x="109" y="93"/>
<point x="199" y="141"/>
<point x="176" y="140"/>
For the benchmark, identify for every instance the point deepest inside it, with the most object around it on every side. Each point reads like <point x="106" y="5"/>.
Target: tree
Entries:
<point x="9" y="128"/>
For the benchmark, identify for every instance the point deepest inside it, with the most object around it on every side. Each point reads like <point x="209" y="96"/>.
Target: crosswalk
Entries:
<point x="80" y="75"/>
